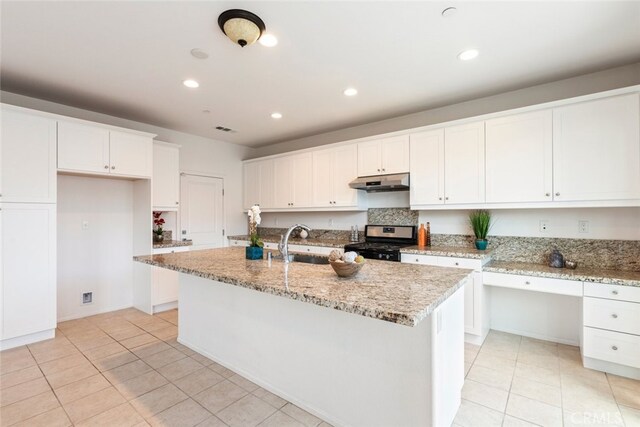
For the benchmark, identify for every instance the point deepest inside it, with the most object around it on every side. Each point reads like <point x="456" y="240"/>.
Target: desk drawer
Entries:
<point x="617" y="292"/>
<point x="160" y="251"/>
<point x="620" y="316"/>
<point x="531" y="283"/>
<point x="615" y="347"/>
<point x="419" y="259"/>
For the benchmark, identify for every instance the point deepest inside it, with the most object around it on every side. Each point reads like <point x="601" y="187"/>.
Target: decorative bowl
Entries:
<point x="344" y="269"/>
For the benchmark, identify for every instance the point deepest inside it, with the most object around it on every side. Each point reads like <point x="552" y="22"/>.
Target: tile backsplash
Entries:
<point x="392" y="216"/>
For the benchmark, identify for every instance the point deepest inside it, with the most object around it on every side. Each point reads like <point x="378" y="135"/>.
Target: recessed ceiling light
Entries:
<point x="199" y="53"/>
<point x="191" y="83"/>
<point x="350" y="91"/>
<point x="466" y="55"/>
<point x="276" y="115"/>
<point x="449" y="12"/>
<point x="268" y="40"/>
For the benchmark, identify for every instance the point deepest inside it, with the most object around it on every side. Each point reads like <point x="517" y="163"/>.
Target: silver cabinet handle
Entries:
<point x="113" y="167"/>
<point x="557" y="194"/>
<point x="378" y="170"/>
<point x="383" y="169"/>
<point x="457" y="263"/>
<point x="547" y="194"/>
<point x="614" y="348"/>
<point x="446" y="198"/>
<point x="615" y="316"/>
<point x="106" y="166"/>
<point x="614" y="292"/>
<point x="417" y="260"/>
<point x="177" y="203"/>
<point x="527" y="282"/>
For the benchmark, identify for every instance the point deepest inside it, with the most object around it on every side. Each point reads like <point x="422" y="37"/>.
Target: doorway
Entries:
<point x="202" y="210"/>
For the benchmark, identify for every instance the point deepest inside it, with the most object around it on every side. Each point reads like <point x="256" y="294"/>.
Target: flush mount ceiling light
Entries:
<point x="350" y="91"/>
<point x="276" y="115"/>
<point x="466" y="55"/>
<point x="191" y="83"/>
<point x="241" y="26"/>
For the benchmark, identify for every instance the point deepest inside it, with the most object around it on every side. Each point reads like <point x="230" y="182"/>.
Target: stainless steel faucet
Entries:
<point x="283" y="246"/>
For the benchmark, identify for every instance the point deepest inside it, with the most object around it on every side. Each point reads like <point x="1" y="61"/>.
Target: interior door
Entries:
<point x="202" y="211"/>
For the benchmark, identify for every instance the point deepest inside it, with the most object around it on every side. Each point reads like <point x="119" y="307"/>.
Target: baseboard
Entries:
<point x="538" y="336"/>
<point x="27" y="339"/>
<point x="323" y="416"/>
<point x="81" y="315"/>
<point x="612" y="368"/>
<point x="165" y="307"/>
<point x="475" y="339"/>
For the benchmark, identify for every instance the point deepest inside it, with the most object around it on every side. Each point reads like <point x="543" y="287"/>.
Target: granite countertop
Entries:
<point x="593" y="275"/>
<point x="390" y="291"/>
<point x="448" y="251"/>
<point x="172" y="243"/>
<point x="329" y="243"/>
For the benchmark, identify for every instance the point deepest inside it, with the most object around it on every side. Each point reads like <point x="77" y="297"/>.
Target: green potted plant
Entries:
<point x="480" y="221"/>
<point x="255" y="248"/>
<point x="158" y="232"/>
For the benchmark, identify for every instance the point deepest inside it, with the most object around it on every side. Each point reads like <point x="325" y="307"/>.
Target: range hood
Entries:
<point x="380" y="183"/>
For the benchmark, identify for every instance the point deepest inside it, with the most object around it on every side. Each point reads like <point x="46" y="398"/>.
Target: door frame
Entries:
<point x="224" y="211"/>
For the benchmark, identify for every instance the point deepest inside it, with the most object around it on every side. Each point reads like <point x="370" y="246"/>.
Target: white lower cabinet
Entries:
<point x="531" y="283"/>
<point x="28" y="272"/>
<point x="165" y="283"/>
<point x="476" y="301"/>
<point x="611" y="334"/>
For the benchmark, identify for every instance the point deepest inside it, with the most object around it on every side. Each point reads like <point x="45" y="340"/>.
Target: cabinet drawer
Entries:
<point x="617" y="292"/>
<point x="240" y="243"/>
<point x="161" y="251"/>
<point x="473" y="264"/>
<point x="530" y="283"/>
<point x="620" y="316"/>
<point x="615" y="347"/>
<point x="318" y="250"/>
<point x="419" y="259"/>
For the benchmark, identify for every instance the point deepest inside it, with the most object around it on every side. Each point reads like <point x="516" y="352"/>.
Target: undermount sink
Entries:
<point x="309" y="259"/>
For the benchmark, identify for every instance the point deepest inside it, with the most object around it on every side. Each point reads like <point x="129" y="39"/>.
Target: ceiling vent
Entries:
<point x="224" y="129"/>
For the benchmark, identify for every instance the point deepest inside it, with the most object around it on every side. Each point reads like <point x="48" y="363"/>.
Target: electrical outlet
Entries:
<point x="331" y="222"/>
<point x="87" y="297"/>
<point x="85" y="225"/>
<point x="277" y="222"/>
<point x="544" y="225"/>
<point x="583" y="226"/>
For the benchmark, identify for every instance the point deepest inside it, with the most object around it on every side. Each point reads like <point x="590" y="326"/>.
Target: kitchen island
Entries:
<point x="382" y="348"/>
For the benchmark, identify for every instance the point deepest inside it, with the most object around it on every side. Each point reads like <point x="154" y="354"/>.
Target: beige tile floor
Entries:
<point x="126" y="368"/>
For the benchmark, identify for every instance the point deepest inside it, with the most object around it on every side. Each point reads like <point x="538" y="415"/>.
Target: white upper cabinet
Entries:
<point x="333" y="169"/>
<point x="464" y="164"/>
<point x="27" y="158"/>
<point x="292" y="183"/>
<point x="596" y="150"/>
<point x="166" y="176"/>
<point x="131" y="155"/>
<point x="85" y="148"/>
<point x="259" y="184"/>
<point x="519" y="158"/>
<point x="384" y="156"/>
<point x="427" y="168"/>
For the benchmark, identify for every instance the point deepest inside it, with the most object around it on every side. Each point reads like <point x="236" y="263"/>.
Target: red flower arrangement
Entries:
<point x="158" y="222"/>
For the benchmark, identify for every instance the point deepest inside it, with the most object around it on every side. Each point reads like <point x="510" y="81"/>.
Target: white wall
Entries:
<point x="96" y="259"/>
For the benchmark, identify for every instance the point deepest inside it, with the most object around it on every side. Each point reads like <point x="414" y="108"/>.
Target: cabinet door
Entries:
<point x="282" y="167"/>
<point x="266" y="188"/>
<point x="323" y="177"/>
<point x="369" y="161"/>
<point x="251" y="184"/>
<point x="302" y="180"/>
<point x="131" y="155"/>
<point x="27" y="158"/>
<point x="166" y="177"/>
<point x="83" y="148"/>
<point x="464" y="164"/>
<point x="395" y="154"/>
<point x="345" y="170"/>
<point x="519" y="158"/>
<point x="165" y="285"/>
<point x="28" y="268"/>
<point x="427" y="168"/>
<point x="596" y="150"/>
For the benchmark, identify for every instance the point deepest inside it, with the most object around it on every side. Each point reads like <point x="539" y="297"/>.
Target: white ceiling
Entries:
<point x="128" y="59"/>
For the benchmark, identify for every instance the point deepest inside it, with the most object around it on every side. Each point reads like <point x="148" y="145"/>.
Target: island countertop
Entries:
<point x="390" y="291"/>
